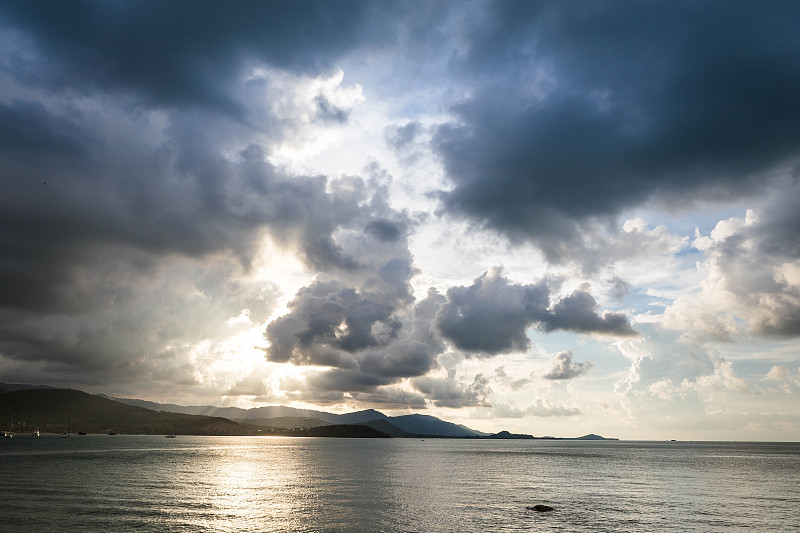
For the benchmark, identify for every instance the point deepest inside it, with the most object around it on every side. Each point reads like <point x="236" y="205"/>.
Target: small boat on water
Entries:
<point x="81" y="433"/>
<point x="170" y="436"/>
<point x="35" y="432"/>
<point x="112" y="432"/>
<point x="66" y="433"/>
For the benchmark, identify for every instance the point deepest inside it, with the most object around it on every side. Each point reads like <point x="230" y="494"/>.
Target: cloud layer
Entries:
<point x="276" y="202"/>
<point x="583" y="111"/>
<point x="492" y="315"/>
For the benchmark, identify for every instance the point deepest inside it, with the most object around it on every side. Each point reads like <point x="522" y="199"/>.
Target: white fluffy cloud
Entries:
<point x="752" y="282"/>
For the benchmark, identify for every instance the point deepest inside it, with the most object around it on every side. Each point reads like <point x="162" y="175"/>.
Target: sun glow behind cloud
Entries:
<point x="492" y="211"/>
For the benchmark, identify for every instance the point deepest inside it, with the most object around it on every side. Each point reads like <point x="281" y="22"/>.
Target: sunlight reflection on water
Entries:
<point x="238" y="484"/>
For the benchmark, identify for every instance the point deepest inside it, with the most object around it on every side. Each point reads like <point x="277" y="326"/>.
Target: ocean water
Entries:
<point x="148" y="483"/>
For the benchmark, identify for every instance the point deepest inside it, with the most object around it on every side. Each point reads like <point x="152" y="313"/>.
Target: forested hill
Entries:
<point x="52" y="410"/>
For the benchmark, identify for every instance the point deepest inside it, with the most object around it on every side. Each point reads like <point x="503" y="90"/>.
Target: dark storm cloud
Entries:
<point x="28" y="128"/>
<point x="182" y="197"/>
<point x="181" y="53"/>
<point x="580" y="110"/>
<point x="578" y="312"/>
<point x="126" y="327"/>
<point x="101" y="204"/>
<point x="333" y="315"/>
<point x="565" y="368"/>
<point x="492" y="315"/>
<point x="105" y="197"/>
<point x="136" y="188"/>
<point x="374" y="339"/>
<point x="395" y="341"/>
<point x="404" y="359"/>
<point x="339" y="318"/>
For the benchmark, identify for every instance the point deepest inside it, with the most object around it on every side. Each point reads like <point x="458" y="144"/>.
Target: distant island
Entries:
<point x="52" y="410"/>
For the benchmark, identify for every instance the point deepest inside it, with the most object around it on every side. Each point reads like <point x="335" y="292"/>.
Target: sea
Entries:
<point x="119" y="483"/>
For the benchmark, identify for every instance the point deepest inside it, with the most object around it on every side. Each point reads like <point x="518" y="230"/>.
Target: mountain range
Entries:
<point x="52" y="410"/>
<point x="271" y="416"/>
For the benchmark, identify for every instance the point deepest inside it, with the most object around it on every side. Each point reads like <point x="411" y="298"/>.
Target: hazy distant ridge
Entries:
<point x="50" y="409"/>
<point x="273" y="411"/>
<point x="413" y="424"/>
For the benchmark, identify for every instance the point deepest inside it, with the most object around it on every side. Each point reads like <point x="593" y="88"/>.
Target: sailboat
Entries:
<point x="66" y="433"/>
<point x="8" y="434"/>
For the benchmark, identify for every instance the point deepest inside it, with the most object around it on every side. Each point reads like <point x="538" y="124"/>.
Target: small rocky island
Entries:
<point x="540" y="508"/>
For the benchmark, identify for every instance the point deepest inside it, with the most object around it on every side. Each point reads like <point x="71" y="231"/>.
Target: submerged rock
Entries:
<point x="540" y="508"/>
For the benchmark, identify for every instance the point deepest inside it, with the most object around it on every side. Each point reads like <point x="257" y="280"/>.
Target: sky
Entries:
<point x="553" y="218"/>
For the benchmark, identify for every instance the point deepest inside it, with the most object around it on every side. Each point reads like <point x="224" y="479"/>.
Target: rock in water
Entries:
<point x="541" y="508"/>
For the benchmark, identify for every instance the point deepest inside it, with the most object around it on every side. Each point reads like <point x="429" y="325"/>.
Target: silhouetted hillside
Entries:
<point x="384" y="426"/>
<point x="271" y="411"/>
<point x="360" y="417"/>
<point x="401" y="426"/>
<point x="257" y="413"/>
<point x="10" y="387"/>
<point x="431" y="426"/>
<point x="50" y="410"/>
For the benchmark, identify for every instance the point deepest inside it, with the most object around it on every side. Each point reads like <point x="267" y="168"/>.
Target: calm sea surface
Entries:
<point x="147" y="483"/>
